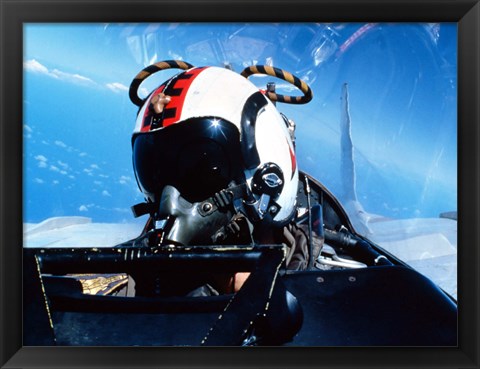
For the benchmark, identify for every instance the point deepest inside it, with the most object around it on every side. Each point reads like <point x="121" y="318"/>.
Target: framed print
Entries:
<point x="223" y="185"/>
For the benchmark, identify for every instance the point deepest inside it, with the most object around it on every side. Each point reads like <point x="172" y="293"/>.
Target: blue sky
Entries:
<point x="78" y="119"/>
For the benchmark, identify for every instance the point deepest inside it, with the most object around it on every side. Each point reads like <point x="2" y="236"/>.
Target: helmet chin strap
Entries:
<point x="241" y="199"/>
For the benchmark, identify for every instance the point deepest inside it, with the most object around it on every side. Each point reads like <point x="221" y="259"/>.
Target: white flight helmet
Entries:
<point x="209" y="131"/>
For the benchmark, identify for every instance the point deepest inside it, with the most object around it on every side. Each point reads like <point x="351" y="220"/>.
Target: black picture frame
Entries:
<point x="15" y="12"/>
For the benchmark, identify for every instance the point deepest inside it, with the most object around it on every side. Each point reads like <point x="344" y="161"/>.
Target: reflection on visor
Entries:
<point x="199" y="157"/>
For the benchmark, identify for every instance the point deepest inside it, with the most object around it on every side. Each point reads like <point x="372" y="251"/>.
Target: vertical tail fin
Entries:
<point x="358" y="216"/>
<point x="347" y="165"/>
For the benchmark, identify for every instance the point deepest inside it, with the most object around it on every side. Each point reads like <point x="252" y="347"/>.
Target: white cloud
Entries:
<point x="117" y="87"/>
<point x="60" y="143"/>
<point x="122" y="210"/>
<point x="124" y="179"/>
<point x="36" y="67"/>
<point x="54" y="168"/>
<point x="73" y="78"/>
<point x="98" y="183"/>
<point x="94" y="166"/>
<point x="38" y="180"/>
<point x="82" y="154"/>
<point x="42" y="161"/>
<point x="106" y="193"/>
<point x="83" y="208"/>
<point x="62" y="164"/>
<point x="55" y="182"/>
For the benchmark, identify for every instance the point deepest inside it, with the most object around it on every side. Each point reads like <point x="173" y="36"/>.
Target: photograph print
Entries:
<point x="240" y="184"/>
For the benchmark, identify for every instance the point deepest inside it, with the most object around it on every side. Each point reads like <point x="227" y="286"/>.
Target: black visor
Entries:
<point x="199" y="157"/>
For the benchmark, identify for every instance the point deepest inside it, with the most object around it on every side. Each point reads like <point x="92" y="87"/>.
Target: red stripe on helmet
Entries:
<point x="146" y="123"/>
<point x="181" y="86"/>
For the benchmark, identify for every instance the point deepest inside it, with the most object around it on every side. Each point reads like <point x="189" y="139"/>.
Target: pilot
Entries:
<point x="216" y="163"/>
